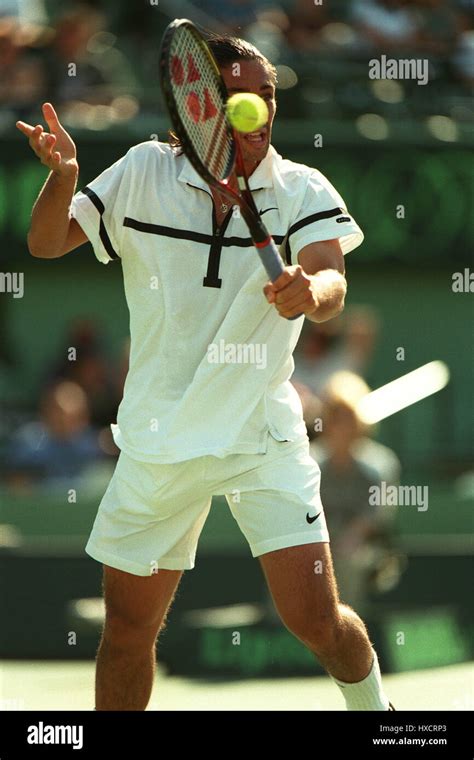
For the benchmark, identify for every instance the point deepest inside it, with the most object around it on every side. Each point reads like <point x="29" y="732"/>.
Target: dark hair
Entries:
<point x="228" y="50"/>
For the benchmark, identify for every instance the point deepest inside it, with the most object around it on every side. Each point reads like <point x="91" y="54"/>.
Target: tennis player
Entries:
<point x="208" y="406"/>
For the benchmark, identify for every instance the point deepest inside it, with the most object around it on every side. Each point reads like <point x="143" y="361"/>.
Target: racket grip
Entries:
<point x="272" y="261"/>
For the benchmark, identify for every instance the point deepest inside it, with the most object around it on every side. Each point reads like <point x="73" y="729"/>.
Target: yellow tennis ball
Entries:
<point x="247" y="112"/>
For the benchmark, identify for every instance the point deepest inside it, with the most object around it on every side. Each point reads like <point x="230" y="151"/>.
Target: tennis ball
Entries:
<point x="247" y="112"/>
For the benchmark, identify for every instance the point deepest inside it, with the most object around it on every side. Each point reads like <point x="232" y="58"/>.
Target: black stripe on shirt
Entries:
<point x="318" y="217"/>
<point x="104" y="237"/>
<point x="315" y="218"/>
<point x="196" y="237"/>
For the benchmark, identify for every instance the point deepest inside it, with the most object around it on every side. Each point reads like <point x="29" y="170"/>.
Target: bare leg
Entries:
<point x="302" y="584"/>
<point x="136" y="609"/>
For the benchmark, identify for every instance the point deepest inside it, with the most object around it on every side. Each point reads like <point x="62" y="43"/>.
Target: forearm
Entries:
<point x="50" y="217"/>
<point x="329" y="287"/>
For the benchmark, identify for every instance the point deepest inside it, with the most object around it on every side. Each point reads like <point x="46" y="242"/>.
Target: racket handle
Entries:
<point x="272" y="261"/>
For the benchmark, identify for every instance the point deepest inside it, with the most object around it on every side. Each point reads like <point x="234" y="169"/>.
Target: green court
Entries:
<point x="69" y="686"/>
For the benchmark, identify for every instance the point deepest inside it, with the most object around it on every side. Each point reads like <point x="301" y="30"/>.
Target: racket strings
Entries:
<point x="200" y="102"/>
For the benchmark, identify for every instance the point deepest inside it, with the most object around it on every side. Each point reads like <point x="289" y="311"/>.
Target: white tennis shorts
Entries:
<point x="151" y="515"/>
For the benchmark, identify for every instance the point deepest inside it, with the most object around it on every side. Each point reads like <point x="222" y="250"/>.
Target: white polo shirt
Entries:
<point x="211" y="360"/>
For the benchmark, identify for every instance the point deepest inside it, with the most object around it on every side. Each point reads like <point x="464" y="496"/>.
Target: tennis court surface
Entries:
<point x="33" y="685"/>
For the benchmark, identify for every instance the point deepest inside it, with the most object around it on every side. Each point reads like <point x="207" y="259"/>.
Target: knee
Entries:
<point x="317" y="630"/>
<point x="128" y="628"/>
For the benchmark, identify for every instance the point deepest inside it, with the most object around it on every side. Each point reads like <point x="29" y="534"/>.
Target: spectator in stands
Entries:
<point x="56" y="449"/>
<point x="83" y="361"/>
<point x="83" y="63"/>
<point x="235" y="15"/>
<point x="385" y="24"/>
<point x="22" y="74"/>
<point x="306" y="22"/>
<point x="346" y="343"/>
<point x="350" y="464"/>
<point x="438" y="26"/>
<point x="463" y="57"/>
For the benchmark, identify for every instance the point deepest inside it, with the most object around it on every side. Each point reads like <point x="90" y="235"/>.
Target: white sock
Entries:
<point x="367" y="694"/>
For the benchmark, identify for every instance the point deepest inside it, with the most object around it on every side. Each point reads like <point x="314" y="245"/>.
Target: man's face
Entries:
<point x="251" y="76"/>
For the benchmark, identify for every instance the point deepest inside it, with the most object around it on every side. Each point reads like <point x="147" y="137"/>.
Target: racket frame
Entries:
<point x="263" y="241"/>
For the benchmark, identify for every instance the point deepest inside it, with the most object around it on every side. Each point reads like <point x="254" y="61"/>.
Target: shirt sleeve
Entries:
<point x="99" y="208"/>
<point x="322" y="216"/>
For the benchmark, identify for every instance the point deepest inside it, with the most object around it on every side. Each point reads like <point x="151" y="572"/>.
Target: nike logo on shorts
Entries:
<point x="310" y="519"/>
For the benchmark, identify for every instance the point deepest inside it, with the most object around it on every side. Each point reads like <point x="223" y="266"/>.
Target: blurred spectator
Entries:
<point x="306" y="23"/>
<point x="361" y="534"/>
<point x="385" y="24"/>
<point x="235" y="15"/>
<point x="463" y="57"/>
<point x="438" y="26"/>
<point x="347" y="389"/>
<point x="22" y="74"/>
<point x="58" y="447"/>
<point x="83" y="63"/>
<point x="84" y="362"/>
<point x="28" y="11"/>
<point x="98" y="79"/>
<point x="346" y="343"/>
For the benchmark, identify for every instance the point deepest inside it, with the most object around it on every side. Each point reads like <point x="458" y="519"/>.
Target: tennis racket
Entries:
<point x="196" y="96"/>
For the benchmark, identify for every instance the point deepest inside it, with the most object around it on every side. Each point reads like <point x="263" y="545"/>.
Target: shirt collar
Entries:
<point x="262" y="177"/>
